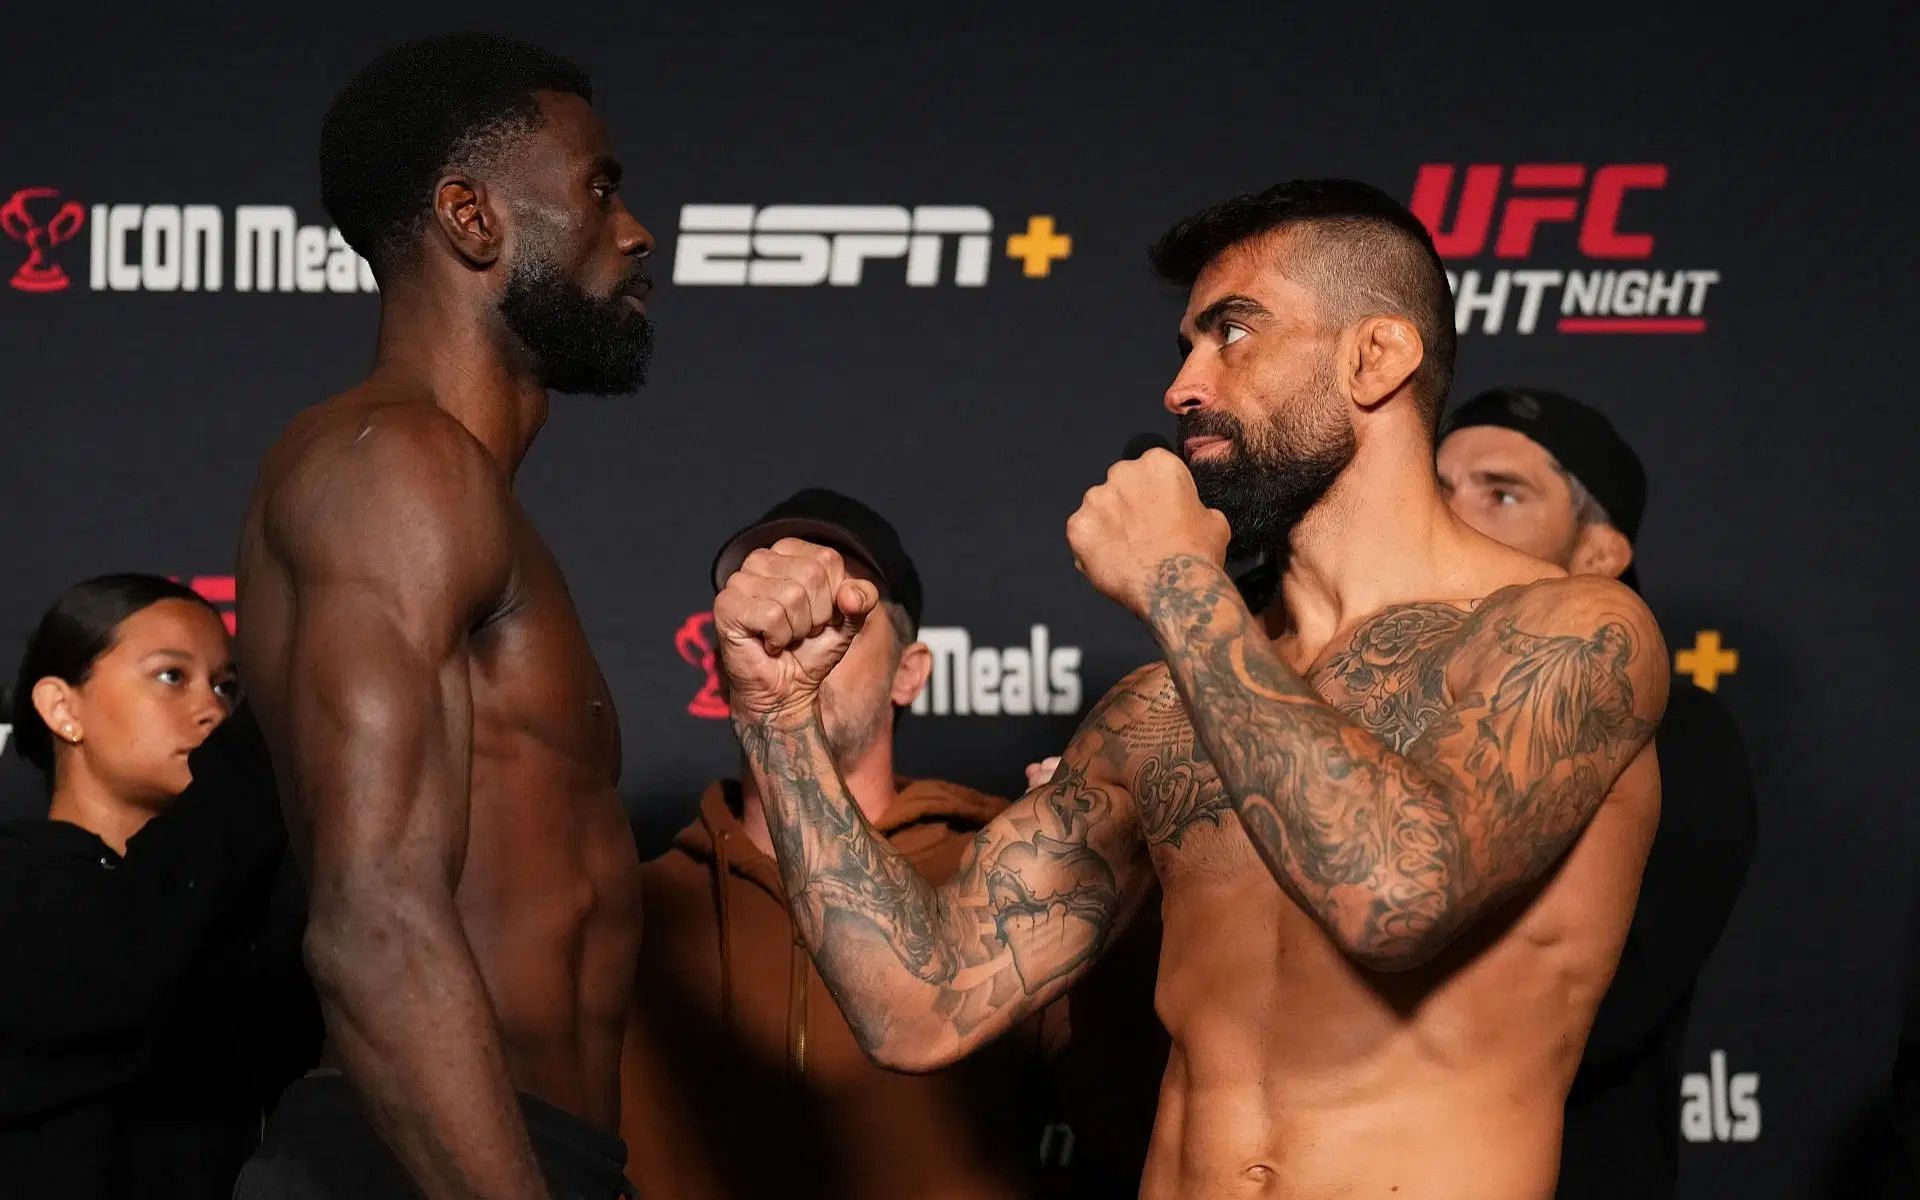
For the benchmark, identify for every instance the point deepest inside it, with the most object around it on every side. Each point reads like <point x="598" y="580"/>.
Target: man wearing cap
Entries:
<point x="741" y="1079"/>
<point x="1549" y="475"/>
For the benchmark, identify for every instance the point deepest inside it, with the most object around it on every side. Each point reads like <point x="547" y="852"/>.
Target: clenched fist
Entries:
<point x="1147" y="512"/>
<point x="783" y="621"/>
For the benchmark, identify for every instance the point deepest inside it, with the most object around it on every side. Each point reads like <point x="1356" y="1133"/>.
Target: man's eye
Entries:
<point x="1504" y="497"/>
<point x="1229" y="334"/>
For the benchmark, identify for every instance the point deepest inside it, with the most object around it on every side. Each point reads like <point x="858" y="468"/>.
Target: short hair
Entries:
<point x="416" y="110"/>
<point x="82" y="625"/>
<point x="1365" y="254"/>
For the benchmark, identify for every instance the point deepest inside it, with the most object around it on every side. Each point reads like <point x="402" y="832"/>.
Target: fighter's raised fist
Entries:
<point x="1147" y="512"/>
<point x="785" y="618"/>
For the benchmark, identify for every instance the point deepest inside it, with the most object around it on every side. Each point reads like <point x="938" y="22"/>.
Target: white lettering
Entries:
<point x="203" y="242"/>
<point x="1583" y="294"/>
<point x="1493" y="302"/>
<point x="1630" y="294"/>
<point x="1701" y="280"/>
<point x="950" y="648"/>
<point x="310" y="259"/>
<point x="1716" y="1106"/>
<point x="6" y="735"/>
<point x="805" y="245"/>
<point x="1015" y="681"/>
<point x="1063" y="670"/>
<point x="263" y="248"/>
<point x="160" y="248"/>
<point x="983" y="680"/>
<point x="1663" y="294"/>
<point x="1535" y="283"/>
<point x="122" y="220"/>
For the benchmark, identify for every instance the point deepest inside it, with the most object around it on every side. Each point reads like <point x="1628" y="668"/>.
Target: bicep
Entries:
<point x="391" y="556"/>
<point x="1565" y="699"/>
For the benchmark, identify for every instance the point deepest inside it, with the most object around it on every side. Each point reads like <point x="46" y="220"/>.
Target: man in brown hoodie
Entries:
<point x="741" y="1080"/>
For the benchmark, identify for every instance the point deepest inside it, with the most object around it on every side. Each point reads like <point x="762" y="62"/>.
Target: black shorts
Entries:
<point x="320" y="1146"/>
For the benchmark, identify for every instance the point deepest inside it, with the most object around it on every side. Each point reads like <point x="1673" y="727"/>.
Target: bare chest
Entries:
<point x="1192" y="830"/>
<point x="539" y="698"/>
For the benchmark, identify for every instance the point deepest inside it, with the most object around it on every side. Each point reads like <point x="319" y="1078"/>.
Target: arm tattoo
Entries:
<point x="1033" y="899"/>
<point x="1395" y="810"/>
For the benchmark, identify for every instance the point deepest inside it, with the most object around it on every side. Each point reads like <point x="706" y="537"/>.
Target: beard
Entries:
<point x="1278" y="470"/>
<point x="849" y="727"/>
<point x="578" y="342"/>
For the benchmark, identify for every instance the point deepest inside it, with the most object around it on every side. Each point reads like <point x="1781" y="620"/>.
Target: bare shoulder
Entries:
<point x="1580" y="651"/>
<point x="1610" y="621"/>
<point x="362" y="481"/>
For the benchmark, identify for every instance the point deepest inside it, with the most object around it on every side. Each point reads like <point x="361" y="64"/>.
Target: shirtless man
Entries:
<point x="1436" y="747"/>
<point x="443" y="738"/>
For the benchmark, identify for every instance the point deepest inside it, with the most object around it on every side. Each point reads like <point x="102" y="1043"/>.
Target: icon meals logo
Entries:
<point x="181" y="247"/>
<point x="1717" y="1108"/>
<point x="1460" y="210"/>
<point x="967" y="680"/>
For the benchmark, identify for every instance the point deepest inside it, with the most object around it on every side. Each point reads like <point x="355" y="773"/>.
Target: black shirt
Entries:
<point x="1623" y="1112"/>
<point x="153" y="1004"/>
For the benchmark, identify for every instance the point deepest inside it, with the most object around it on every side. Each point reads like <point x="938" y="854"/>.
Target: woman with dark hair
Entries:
<point x="151" y="997"/>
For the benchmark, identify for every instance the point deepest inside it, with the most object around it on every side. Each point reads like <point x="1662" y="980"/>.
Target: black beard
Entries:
<point x="578" y="343"/>
<point x="1264" y="490"/>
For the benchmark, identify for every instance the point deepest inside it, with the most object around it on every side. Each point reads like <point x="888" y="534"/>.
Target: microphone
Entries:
<point x="1140" y="443"/>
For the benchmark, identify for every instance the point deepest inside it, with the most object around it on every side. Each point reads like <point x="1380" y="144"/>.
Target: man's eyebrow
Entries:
<point x="1228" y="306"/>
<point x="1500" y="477"/>
<point x="609" y="166"/>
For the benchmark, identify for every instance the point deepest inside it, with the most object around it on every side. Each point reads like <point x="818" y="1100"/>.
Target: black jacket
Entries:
<point x="151" y="1005"/>
<point x="1623" y="1112"/>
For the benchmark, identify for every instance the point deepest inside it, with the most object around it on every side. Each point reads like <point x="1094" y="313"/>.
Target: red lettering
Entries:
<point x="1525" y="214"/>
<point x="1431" y="189"/>
<point x="1600" y="235"/>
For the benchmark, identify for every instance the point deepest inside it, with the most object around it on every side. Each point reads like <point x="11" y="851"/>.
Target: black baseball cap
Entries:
<point x="830" y="519"/>
<point x="1580" y="437"/>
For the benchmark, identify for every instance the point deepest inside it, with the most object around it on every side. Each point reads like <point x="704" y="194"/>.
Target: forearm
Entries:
<point x="409" y="1017"/>
<point x="881" y="935"/>
<point x="1348" y="827"/>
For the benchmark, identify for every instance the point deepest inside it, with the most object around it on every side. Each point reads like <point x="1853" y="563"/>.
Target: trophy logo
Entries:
<point x="40" y="273"/>
<point x="694" y="641"/>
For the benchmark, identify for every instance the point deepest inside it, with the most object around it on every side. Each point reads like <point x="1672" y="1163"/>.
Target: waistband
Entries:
<point x="560" y="1139"/>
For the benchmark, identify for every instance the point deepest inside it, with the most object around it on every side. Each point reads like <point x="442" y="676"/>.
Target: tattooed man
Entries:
<point x="1398" y="818"/>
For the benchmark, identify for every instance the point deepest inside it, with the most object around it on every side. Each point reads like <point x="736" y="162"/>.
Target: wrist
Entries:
<point x="788" y="716"/>
<point x="1184" y="589"/>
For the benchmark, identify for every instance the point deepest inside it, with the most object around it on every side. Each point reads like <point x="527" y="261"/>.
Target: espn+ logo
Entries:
<point x="805" y="245"/>
<point x="1533" y="210"/>
<point x="839" y="245"/>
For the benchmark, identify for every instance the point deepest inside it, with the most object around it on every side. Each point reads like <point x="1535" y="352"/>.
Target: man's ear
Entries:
<point x="1600" y="549"/>
<point x="1387" y="350"/>
<point x="910" y="677"/>
<point x="466" y="217"/>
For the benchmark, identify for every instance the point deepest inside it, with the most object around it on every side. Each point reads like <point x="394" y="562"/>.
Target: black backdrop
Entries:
<point x="1770" y="401"/>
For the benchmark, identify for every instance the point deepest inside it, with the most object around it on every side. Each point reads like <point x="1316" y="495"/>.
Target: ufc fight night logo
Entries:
<point x="845" y="245"/>
<point x="1557" y="211"/>
<point x="1716" y="1107"/>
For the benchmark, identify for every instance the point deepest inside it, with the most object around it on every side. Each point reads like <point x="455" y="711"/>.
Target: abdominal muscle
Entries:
<point x="1294" y="1073"/>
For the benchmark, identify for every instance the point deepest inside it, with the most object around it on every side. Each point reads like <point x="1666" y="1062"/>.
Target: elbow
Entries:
<point x="1390" y="947"/>
<point x="361" y="938"/>
<point x="905" y="1049"/>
